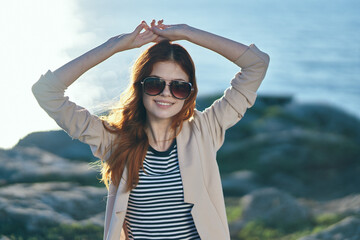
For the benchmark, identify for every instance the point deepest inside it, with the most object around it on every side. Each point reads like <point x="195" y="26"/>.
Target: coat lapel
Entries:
<point x="119" y="209"/>
<point x="205" y="216"/>
<point x="189" y="163"/>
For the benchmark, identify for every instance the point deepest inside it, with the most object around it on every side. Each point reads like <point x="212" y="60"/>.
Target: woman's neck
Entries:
<point x="160" y="135"/>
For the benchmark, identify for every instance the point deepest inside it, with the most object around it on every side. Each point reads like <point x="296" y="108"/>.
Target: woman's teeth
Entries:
<point x="164" y="103"/>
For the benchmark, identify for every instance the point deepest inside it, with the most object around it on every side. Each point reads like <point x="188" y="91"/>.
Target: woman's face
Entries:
<point x="164" y="106"/>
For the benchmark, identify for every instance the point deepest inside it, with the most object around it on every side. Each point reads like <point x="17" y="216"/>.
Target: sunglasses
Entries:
<point x="154" y="86"/>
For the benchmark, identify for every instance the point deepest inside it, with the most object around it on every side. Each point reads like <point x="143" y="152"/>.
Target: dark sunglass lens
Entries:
<point x="153" y="86"/>
<point x="180" y="89"/>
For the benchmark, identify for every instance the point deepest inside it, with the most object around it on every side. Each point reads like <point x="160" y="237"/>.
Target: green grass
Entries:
<point x="61" y="232"/>
<point x="258" y="230"/>
<point x="233" y="213"/>
<point x="75" y="232"/>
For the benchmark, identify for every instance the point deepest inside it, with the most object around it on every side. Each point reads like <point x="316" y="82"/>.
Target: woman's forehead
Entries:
<point x="169" y="70"/>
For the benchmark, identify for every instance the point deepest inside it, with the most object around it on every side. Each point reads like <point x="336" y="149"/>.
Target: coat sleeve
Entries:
<point x="75" y="120"/>
<point x="241" y="95"/>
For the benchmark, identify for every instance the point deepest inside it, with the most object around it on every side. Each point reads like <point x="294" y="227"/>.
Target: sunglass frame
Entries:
<point x="164" y="85"/>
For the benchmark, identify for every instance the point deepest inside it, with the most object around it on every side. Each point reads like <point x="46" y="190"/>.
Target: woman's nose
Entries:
<point x="166" y="92"/>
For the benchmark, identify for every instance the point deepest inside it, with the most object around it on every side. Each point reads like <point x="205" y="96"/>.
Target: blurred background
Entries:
<point x="298" y="148"/>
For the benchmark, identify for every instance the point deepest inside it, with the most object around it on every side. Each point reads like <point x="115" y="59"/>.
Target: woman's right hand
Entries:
<point x="135" y="39"/>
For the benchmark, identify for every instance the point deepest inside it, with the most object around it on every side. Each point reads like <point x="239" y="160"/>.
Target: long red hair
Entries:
<point x="128" y="119"/>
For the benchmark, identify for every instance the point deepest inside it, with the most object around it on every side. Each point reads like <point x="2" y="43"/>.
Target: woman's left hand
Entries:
<point x="171" y="32"/>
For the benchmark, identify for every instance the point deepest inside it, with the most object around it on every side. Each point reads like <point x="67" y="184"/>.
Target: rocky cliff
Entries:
<point x="289" y="170"/>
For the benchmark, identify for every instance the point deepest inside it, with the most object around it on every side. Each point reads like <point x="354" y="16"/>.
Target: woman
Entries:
<point x="158" y="151"/>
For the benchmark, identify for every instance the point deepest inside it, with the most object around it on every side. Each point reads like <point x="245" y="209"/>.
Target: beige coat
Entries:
<point x="198" y="142"/>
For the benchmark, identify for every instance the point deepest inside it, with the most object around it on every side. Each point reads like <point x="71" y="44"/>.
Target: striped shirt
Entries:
<point x="156" y="207"/>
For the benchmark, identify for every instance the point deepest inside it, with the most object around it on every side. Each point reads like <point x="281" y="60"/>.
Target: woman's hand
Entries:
<point x="155" y="33"/>
<point x="171" y="32"/>
<point x="135" y="39"/>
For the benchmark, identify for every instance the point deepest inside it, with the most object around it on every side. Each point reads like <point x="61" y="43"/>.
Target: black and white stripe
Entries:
<point x="156" y="207"/>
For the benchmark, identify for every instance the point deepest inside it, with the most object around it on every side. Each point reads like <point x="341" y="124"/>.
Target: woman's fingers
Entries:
<point x="142" y="26"/>
<point x="156" y="28"/>
<point x="160" y="23"/>
<point x="152" y="24"/>
<point x="147" y="34"/>
<point x="162" y="26"/>
<point x="139" y="28"/>
<point x="156" y="31"/>
<point x="157" y="24"/>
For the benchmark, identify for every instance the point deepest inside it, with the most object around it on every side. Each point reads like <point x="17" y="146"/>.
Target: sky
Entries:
<point x="308" y="40"/>
<point x="39" y="35"/>
<point x="27" y="48"/>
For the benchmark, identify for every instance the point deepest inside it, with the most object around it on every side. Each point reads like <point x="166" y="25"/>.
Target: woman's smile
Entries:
<point x="163" y="104"/>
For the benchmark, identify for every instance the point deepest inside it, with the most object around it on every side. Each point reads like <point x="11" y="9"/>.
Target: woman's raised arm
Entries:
<point x="77" y="121"/>
<point x="71" y="71"/>
<point x="228" y="48"/>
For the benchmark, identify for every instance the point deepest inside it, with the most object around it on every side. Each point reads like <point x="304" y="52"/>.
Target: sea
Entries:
<point x="314" y="45"/>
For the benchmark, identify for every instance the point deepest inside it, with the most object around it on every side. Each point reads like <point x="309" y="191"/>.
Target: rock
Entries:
<point x="288" y="183"/>
<point x="39" y="205"/>
<point x="326" y="117"/>
<point x="58" y="143"/>
<point x="269" y="100"/>
<point x="32" y="164"/>
<point x="273" y="206"/>
<point x="326" y="164"/>
<point x="347" y="229"/>
<point x="239" y="183"/>
<point x="349" y="205"/>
